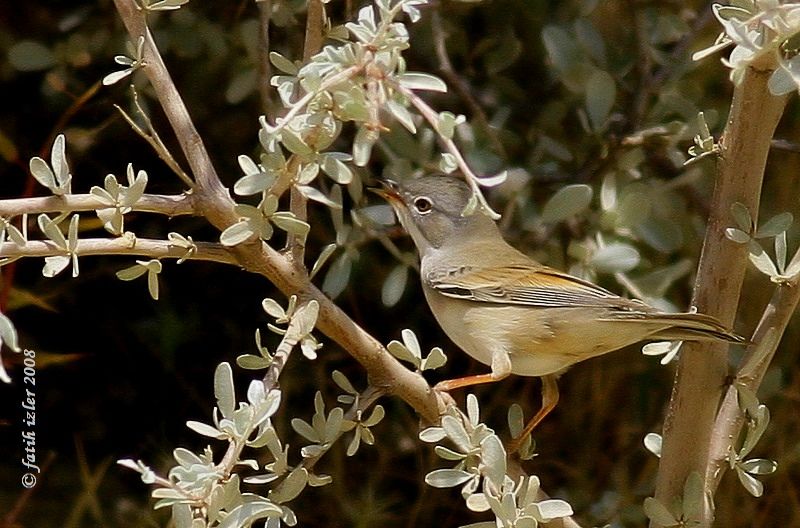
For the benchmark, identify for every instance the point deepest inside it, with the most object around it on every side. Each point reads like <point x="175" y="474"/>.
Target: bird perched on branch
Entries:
<point x="508" y="311"/>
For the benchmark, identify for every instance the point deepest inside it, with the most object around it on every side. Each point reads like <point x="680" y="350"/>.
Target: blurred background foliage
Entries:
<point x="590" y="105"/>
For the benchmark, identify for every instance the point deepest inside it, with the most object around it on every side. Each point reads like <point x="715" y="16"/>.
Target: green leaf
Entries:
<point x="206" y="430"/>
<point x="652" y="442"/>
<point x="759" y="466"/>
<point x="223" y="389"/>
<point x="245" y="514"/>
<point x="291" y="487"/>
<point x="741" y="214"/>
<point x="402" y="114"/>
<point x="550" y="509"/>
<point x="659" y="513"/>
<point x="568" y="201"/>
<point x="394" y="285"/>
<point x="737" y="235"/>
<point x="338" y="276"/>
<point x="601" y="93"/>
<point x="447" y="478"/>
<point x="615" y="258"/>
<point x="775" y="225"/>
<point x="282" y="63"/>
<point x="422" y="81"/>
<point x="753" y="486"/>
<point x="29" y="55"/>
<point x="235" y="234"/>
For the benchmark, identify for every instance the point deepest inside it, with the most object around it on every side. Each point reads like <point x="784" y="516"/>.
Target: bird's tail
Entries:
<point x="691" y="327"/>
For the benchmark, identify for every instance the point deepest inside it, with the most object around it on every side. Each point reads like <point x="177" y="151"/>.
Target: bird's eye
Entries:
<point x="423" y="205"/>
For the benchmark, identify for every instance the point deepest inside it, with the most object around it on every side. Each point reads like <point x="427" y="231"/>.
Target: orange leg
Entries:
<point x="549" y="401"/>
<point x="468" y="381"/>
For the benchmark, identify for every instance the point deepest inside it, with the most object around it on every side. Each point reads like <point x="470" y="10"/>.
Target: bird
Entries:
<point x="510" y="312"/>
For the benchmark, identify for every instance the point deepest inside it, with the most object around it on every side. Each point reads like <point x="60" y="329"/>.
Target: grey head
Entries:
<point x="431" y="209"/>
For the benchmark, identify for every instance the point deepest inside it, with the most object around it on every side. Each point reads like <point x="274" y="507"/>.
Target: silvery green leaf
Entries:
<point x="447" y="163"/>
<point x="381" y="214"/>
<point x="759" y="466"/>
<point x="261" y="479"/>
<point x="457" y="433"/>
<point x="305" y="430"/>
<point x="491" y="181"/>
<point x="245" y="514"/>
<point x="447" y="478"/>
<point x="355" y="443"/>
<point x="182" y="515"/>
<point x="51" y="230"/>
<point x="131" y="273"/>
<point x="308" y="173"/>
<point x="136" y="188"/>
<point x="568" y="201"/>
<point x="291" y="224"/>
<point x="780" y="251"/>
<point x="552" y="509"/>
<point x="693" y="496"/>
<point x="152" y="281"/>
<point x="515" y="420"/>
<point x="291" y="487"/>
<point x="762" y="261"/>
<point x="223" y="389"/>
<point x="422" y="81"/>
<point x="102" y="195"/>
<point x="411" y="342"/>
<point x="394" y="285"/>
<point x="473" y="410"/>
<point x="659" y="513"/>
<point x="781" y="82"/>
<point x="333" y="425"/>
<point x="170" y="493"/>
<point x="236" y="234"/>
<point x="8" y="336"/>
<point x="315" y="194"/>
<point x="343" y="383"/>
<point x="477" y="502"/>
<point x="282" y="63"/>
<point x="58" y="160"/>
<point x="601" y="92"/>
<point x="432" y="434"/>
<point x="435" y="359"/>
<point x="166" y="5"/>
<point x="55" y="265"/>
<point x="115" y="77"/>
<point x="252" y="362"/>
<point x="755" y="431"/>
<point x="615" y="258"/>
<point x="493" y="459"/>
<point x="323" y="257"/>
<point x="337" y="170"/>
<point x="399" y="350"/>
<point x="753" y="486"/>
<point x="362" y="145"/>
<point x="294" y="143"/>
<point x="741" y="214"/>
<point x="206" y="430"/>
<point x="303" y="319"/>
<point x="608" y="192"/>
<point x="737" y="235"/>
<point x="253" y="183"/>
<point x="449" y="454"/>
<point x="274" y="309"/>
<point x="483" y="524"/>
<point x="316" y="481"/>
<point x="402" y="114"/>
<point x="338" y="276"/>
<point x="775" y="225"/>
<point x="652" y="442"/>
<point x="378" y="413"/>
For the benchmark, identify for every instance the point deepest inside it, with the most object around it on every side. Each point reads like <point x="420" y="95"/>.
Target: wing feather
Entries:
<point x="527" y="285"/>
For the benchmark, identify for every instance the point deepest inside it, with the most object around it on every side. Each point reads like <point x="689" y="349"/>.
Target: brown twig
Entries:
<point x="166" y="204"/>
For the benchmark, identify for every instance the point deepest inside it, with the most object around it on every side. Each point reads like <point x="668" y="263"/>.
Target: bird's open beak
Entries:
<point x="389" y="191"/>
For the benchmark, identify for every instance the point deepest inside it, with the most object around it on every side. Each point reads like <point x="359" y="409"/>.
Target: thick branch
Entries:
<point x="140" y="247"/>
<point x="702" y="369"/>
<point x="215" y="203"/>
<point x="166" y="204"/>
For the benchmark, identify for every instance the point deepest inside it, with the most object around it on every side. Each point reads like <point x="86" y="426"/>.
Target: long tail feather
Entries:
<point x="685" y="326"/>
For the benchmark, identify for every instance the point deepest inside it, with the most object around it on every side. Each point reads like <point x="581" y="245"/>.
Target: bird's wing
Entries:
<point x="530" y="285"/>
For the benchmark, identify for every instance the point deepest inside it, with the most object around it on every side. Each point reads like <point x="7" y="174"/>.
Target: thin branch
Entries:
<point x="124" y="245"/>
<point x="166" y="204"/>
<point x="264" y="66"/>
<point x="702" y="368"/>
<point x="730" y="418"/>
<point x="458" y="83"/>
<point x="153" y="139"/>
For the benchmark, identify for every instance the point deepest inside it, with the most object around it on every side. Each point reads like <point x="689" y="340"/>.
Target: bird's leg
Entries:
<point x="549" y="401"/>
<point x="501" y="368"/>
